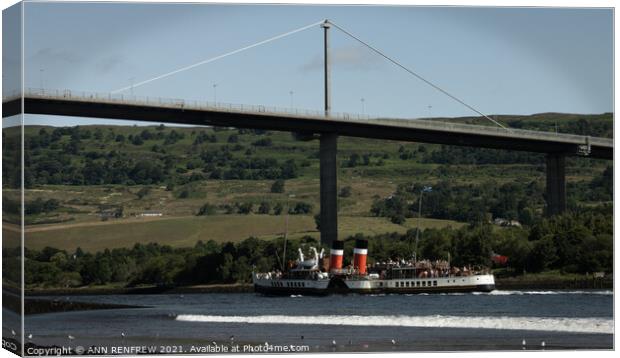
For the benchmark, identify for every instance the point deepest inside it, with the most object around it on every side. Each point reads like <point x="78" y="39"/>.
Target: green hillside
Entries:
<point x="218" y="183"/>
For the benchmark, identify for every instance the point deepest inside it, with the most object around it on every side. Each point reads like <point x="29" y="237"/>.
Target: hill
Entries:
<point x="83" y="180"/>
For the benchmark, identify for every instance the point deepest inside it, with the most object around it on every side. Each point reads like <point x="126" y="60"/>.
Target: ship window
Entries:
<point x="434" y="283"/>
<point x="407" y="283"/>
<point x="396" y="284"/>
<point x="423" y="283"/>
<point x="381" y="284"/>
<point x="417" y="284"/>
<point x="428" y="283"/>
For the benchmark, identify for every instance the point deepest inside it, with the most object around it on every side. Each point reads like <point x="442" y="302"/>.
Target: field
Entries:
<point x="186" y="231"/>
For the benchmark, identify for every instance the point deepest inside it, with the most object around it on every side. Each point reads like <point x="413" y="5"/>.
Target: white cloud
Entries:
<point x="350" y="57"/>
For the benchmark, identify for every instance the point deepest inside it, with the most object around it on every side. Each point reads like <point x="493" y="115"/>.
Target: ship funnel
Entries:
<point x="336" y="254"/>
<point x="359" y="256"/>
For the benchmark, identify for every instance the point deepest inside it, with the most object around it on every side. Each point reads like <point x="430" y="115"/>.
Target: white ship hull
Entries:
<point x="365" y="285"/>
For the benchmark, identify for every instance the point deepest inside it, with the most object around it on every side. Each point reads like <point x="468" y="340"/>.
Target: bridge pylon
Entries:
<point x="328" y="163"/>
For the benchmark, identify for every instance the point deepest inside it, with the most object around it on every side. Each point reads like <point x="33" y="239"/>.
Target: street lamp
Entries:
<point x="215" y="93"/>
<point x="131" y="86"/>
<point x="363" y="107"/>
<point x="426" y="189"/>
<point x="41" y="77"/>
<point x="291" y="93"/>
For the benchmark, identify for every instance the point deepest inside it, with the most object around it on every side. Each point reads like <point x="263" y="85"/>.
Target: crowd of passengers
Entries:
<point x="423" y="269"/>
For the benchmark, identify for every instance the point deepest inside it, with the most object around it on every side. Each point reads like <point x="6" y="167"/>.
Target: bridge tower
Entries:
<point x="328" y="165"/>
<point x="556" y="184"/>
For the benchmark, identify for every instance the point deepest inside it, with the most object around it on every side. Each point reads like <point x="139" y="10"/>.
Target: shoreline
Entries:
<point x="512" y="283"/>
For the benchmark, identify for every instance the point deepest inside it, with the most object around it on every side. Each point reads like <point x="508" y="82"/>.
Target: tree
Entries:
<point x="542" y="256"/>
<point x="301" y="208"/>
<point x="277" y="186"/>
<point x="345" y="192"/>
<point x="207" y="209"/>
<point x="264" y="208"/>
<point x="245" y="208"/>
<point x="233" y="138"/>
<point x="144" y="191"/>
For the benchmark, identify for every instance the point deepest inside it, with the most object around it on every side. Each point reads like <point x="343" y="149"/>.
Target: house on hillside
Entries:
<point x="151" y="213"/>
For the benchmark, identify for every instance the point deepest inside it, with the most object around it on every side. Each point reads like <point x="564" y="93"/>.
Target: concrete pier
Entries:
<point x="329" y="188"/>
<point x="556" y="184"/>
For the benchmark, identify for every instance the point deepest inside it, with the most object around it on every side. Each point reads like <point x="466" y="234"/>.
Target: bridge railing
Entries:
<point x="129" y="99"/>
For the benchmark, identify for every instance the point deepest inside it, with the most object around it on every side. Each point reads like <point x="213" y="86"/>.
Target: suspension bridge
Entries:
<point x="324" y="125"/>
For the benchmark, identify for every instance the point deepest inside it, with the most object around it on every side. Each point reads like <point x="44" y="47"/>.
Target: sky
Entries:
<point x="498" y="60"/>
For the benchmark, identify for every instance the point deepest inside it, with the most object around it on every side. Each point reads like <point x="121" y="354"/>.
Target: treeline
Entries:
<point x="136" y="156"/>
<point x="571" y="243"/>
<point x="485" y="201"/>
<point x="264" y="208"/>
<point x="595" y="125"/>
<point x="448" y="154"/>
<point x="33" y="207"/>
<point x="65" y="156"/>
<point x="469" y="203"/>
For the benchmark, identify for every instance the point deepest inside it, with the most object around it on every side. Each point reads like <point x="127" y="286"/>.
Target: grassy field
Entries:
<point x="186" y="231"/>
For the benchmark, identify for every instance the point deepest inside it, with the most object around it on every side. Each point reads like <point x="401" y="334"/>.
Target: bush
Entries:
<point x="245" y="208"/>
<point x="345" y="192"/>
<point x="301" y="208"/>
<point x="264" y="208"/>
<point x="398" y="219"/>
<point x="207" y="209"/>
<point x="277" y="186"/>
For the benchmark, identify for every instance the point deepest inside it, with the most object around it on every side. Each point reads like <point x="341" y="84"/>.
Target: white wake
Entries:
<point x="556" y="324"/>
<point x="559" y="292"/>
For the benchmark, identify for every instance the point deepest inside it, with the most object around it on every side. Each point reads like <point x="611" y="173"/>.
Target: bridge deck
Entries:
<point x="98" y="105"/>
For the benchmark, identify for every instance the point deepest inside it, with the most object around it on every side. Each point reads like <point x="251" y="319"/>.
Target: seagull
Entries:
<point x="393" y="342"/>
<point x="123" y="334"/>
<point x="30" y="336"/>
<point x="543" y="344"/>
<point x="232" y="339"/>
<point x="333" y="342"/>
<point x="214" y="343"/>
<point x="523" y="342"/>
<point x="13" y="332"/>
<point x="70" y="337"/>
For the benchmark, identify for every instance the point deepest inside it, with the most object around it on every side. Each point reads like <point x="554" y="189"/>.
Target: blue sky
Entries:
<point x="499" y="60"/>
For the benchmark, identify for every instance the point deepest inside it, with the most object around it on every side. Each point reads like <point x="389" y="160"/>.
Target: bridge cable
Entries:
<point x="417" y="75"/>
<point x="218" y="57"/>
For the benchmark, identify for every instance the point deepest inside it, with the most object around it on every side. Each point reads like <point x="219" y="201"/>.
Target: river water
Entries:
<point x="199" y="323"/>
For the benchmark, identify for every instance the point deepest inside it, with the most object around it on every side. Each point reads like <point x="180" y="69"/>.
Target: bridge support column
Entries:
<point x="556" y="184"/>
<point x="329" y="188"/>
